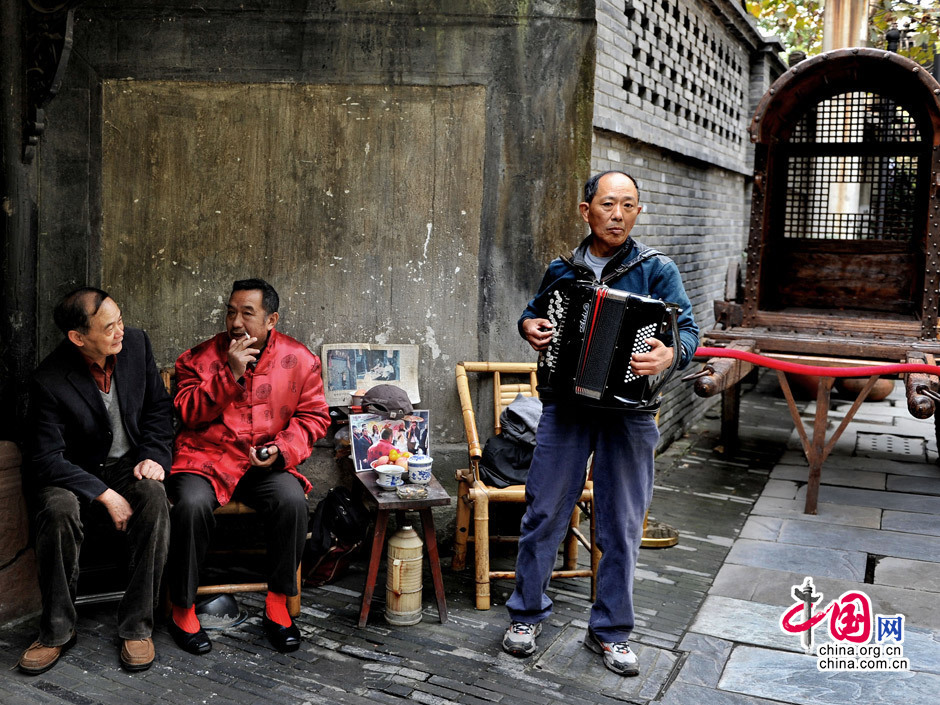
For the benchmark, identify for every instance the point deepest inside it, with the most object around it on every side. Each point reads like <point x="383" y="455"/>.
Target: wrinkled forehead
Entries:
<point x="108" y="312"/>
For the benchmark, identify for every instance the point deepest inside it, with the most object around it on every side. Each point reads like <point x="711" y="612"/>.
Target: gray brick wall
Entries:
<point x="675" y="85"/>
<point x="677" y="74"/>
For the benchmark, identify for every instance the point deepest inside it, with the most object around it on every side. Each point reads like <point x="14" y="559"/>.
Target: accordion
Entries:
<point x="596" y="330"/>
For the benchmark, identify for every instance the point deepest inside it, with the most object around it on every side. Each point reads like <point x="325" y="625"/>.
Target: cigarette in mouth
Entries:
<point x="246" y="335"/>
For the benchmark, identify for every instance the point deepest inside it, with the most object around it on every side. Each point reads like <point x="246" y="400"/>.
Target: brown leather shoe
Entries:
<point x="137" y="654"/>
<point x="39" y="658"/>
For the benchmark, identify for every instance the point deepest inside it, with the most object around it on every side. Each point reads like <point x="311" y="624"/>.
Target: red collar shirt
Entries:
<point x="382" y="447"/>
<point x="102" y="375"/>
<point x="280" y="401"/>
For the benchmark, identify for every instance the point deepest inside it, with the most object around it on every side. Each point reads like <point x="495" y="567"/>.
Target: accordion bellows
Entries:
<point x="596" y="330"/>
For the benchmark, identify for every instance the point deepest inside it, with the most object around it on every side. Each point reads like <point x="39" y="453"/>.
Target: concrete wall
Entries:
<point x="361" y="204"/>
<point x="391" y="167"/>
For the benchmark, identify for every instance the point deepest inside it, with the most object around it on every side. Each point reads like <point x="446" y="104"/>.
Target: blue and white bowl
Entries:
<point x="419" y="469"/>
<point x="388" y="477"/>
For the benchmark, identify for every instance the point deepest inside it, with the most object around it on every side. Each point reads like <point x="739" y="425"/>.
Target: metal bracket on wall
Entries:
<point x="49" y="26"/>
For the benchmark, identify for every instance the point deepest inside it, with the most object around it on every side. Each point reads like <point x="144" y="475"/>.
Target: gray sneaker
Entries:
<point x="617" y="654"/>
<point x="519" y="639"/>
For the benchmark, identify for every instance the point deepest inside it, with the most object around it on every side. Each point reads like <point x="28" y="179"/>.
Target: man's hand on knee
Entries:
<point x="149" y="469"/>
<point x="118" y="508"/>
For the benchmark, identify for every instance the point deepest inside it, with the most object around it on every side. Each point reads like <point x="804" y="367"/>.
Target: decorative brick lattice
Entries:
<point x="676" y="67"/>
<point x="700" y="81"/>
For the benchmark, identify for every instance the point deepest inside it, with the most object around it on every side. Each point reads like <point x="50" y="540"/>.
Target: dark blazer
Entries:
<point x="69" y="432"/>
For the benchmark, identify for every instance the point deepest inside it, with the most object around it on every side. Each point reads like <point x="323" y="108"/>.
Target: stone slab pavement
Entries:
<point x="875" y="532"/>
<point x="708" y="609"/>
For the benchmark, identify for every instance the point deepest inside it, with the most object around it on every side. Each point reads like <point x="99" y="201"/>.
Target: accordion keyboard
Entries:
<point x="557" y="310"/>
<point x="640" y="346"/>
<point x="596" y="331"/>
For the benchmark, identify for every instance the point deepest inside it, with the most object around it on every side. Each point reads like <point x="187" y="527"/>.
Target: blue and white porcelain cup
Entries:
<point x="419" y="469"/>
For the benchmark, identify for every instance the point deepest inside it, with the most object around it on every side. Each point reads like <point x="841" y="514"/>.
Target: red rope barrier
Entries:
<point x="817" y="370"/>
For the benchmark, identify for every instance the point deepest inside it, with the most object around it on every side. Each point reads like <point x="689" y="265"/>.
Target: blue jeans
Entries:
<point x="623" y="446"/>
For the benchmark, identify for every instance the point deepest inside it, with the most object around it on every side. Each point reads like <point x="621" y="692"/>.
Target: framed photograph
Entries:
<point x="373" y="436"/>
<point x="350" y="366"/>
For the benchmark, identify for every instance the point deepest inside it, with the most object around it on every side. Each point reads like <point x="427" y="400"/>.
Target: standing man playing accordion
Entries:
<point x="622" y="437"/>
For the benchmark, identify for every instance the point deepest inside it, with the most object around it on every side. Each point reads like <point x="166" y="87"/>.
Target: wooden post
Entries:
<point x="481" y="548"/>
<point x="730" y="412"/>
<point x="571" y="542"/>
<point x="816" y="457"/>
<point x="18" y="226"/>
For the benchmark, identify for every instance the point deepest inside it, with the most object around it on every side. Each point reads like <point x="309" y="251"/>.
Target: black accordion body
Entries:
<point x="596" y="330"/>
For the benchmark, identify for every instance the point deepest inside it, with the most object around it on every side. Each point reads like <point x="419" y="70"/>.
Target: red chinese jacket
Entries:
<point x="381" y="447"/>
<point x="281" y="402"/>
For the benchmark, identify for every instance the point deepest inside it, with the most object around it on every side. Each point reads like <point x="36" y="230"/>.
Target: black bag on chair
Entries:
<point x="506" y="458"/>
<point x="337" y="529"/>
<point x="505" y="462"/>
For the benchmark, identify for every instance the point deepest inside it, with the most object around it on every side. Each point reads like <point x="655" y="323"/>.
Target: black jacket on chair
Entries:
<point x="69" y="431"/>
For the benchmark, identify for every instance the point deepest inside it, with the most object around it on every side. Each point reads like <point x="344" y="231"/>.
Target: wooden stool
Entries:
<point x="388" y="501"/>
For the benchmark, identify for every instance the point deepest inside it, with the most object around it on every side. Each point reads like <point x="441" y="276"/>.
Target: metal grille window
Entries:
<point x="857" y="117"/>
<point x="852" y="171"/>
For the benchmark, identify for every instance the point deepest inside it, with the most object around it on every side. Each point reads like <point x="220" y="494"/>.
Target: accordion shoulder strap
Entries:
<point x="643" y="253"/>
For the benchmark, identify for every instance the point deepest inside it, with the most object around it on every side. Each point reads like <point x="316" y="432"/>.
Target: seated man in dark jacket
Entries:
<point x="101" y="425"/>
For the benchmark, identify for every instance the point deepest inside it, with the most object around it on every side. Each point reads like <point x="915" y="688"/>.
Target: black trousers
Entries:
<point x="58" y="533"/>
<point x="276" y="495"/>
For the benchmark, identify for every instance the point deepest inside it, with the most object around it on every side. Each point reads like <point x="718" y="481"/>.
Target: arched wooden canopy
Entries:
<point x="841" y="71"/>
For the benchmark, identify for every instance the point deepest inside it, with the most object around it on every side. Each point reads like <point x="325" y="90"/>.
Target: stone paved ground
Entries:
<point x="876" y="531"/>
<point x="707" y="608"/>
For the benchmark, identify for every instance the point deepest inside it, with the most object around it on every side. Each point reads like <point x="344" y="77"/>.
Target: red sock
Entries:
<point x="275" y="606"/>
<point x="186" y="619"/>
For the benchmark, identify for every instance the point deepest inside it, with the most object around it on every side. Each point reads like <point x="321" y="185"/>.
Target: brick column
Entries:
<point x="19" y="589"/>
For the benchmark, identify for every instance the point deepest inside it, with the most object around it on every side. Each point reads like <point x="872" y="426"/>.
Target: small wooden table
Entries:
<point x="388" y="501"/>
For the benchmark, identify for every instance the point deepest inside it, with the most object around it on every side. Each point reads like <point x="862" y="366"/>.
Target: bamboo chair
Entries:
<point x="473" y="495"/>
<point x="234" y="508"/>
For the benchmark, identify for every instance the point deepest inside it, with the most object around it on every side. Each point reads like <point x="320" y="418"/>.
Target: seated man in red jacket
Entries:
<point x="381" y="447"/>
<point x="251" y="403"/>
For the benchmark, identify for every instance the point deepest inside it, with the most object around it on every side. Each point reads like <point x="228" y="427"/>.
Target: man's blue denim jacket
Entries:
<point x="635" y="268"/>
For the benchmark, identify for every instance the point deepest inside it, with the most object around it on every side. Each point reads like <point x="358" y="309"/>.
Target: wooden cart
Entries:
<point x="842" y="255"/>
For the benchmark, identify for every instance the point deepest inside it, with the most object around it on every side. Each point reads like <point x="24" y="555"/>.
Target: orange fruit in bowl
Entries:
<point x="402" y="463"/>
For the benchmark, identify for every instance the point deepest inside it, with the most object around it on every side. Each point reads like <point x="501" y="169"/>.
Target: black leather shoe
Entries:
<point x="197" y="643"/>
<point x="284" y="639"/>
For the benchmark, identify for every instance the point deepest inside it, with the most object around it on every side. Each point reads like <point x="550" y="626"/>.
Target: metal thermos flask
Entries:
<point x="403" y="587"/>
